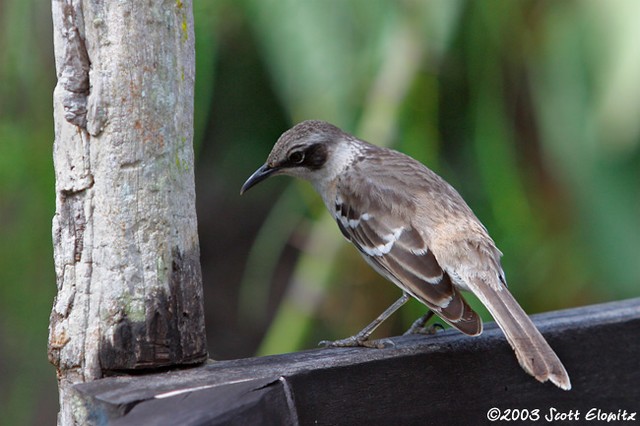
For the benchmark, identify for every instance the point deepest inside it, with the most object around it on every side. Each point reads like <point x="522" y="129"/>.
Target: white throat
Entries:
<point x="341" y="158"/>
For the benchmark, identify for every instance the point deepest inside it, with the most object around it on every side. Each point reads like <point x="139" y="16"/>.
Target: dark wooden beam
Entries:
<point x="448" y="378"/>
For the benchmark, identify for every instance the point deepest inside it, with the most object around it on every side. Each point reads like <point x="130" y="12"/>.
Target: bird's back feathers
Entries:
<point x="381" y="223"/>
<point x="418" y="232"/>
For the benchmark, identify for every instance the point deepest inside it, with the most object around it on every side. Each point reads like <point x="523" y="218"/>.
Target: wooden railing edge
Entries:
<point x="597" y="343"/>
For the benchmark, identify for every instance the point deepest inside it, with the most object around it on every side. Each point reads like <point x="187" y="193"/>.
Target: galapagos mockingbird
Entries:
<point x="415" y="230"/>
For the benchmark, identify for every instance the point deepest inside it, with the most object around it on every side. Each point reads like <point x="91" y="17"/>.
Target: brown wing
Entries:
<point x="395" y="248"/>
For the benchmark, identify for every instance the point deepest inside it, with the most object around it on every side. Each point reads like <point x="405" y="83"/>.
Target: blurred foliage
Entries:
<point x="506" y="102"/>
<point x="529" y="108"/>
<point x="27" y="283"/>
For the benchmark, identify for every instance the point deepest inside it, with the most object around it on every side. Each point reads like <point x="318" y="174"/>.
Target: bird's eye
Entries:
<point x="296" y="157"/>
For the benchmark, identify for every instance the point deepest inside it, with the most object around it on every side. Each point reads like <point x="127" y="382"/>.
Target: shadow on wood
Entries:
<point x="448" y="378"/>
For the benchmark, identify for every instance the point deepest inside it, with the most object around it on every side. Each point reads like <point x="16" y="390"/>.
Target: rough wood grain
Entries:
<point x="448" y="378"/>
<point x="124" y="232"/>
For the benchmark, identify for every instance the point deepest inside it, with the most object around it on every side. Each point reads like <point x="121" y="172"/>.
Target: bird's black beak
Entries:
<point x="258" y="176"/>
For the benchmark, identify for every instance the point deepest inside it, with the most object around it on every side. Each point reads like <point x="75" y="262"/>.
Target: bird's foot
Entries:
<point x="356" y="341"/>
<point x="419" y="326"/>
<point x="430" y="330"/>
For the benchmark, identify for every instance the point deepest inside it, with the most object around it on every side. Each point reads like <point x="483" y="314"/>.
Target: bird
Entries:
<point x="414" y="229"/>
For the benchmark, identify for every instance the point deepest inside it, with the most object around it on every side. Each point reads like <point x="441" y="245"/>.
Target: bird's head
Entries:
<point x="310" y="150"/>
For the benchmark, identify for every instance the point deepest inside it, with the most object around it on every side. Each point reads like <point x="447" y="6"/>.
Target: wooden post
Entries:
<point x="125" y="233"/>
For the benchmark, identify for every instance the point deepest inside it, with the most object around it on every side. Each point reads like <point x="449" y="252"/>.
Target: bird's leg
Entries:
<point x="418" y="326"/>
<point x="419" y="323"/>
<point x="362" y="338"/>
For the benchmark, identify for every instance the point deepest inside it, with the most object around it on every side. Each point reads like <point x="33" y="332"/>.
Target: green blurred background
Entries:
<point x="531" y="109"/>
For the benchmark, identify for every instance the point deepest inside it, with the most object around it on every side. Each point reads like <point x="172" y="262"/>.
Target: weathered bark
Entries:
<point x="124" y="232"/>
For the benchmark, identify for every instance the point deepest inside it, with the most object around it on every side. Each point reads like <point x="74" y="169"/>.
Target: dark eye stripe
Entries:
<point x="315" y="156"/>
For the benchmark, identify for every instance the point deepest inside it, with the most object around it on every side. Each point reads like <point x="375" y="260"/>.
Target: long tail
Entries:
<point x="533" y="352"/>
